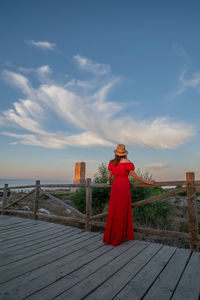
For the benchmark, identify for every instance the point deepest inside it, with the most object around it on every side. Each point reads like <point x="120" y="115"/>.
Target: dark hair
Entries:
<point x="117" y="159"/>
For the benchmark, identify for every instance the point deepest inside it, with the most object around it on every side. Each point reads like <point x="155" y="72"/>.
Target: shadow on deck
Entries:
<point x="40" y="260"/>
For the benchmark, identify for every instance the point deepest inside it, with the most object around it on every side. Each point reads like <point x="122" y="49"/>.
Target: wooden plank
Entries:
<point x="47" y="218"/>
<point x="11" y="226"/>
<point x="192" y="212"/>
<point x="29" y="264"/>
<point x="19" y="228"/>
<point x="157" y="183"/>
<point x="18" y="200"/>
<point x="63" y="185"/>
<point x="104" y="214"/>
<point x="36" y="200"/>
<point x="31" y="240"/>
<point x="53" y="234"/>
<point x="139" y="284"/>
<point x="167" y="233"/>
<point x="17" y="187"/>
<point x="75" y="273"/>
<point x="43" y="277"/>
<point x="85" y="285"/>
<point x="3" y="217"/>
<point x="37" y="241"/>
<point x="111" y="287"/>
<point x="23" y="238"/>
<point x="159" y="197"/>
<point x="10" y="219"/>
<point x="88" y="204"/>
<point x="4" y="198"/>
<point x="166" y="282"/>
<point x="98" y="224"/>
<point x="64" y="220"/>
<point x="189" y="284"/>
<point x="68" y="236"/>
<point x="80" y="214"/>
<point x="32" y="230"/>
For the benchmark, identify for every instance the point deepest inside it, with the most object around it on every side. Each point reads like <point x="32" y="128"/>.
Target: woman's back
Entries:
<point x="121" y="169"/>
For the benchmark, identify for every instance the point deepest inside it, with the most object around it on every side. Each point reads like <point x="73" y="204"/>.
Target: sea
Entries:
<point x="22" y="182"/>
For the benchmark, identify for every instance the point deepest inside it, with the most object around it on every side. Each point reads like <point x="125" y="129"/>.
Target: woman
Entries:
<point x="119" y="225"/>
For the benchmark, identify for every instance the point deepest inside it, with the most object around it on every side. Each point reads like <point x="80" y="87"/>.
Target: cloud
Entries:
<point x="158" y="166"/>
<point x="44" y="45"/>
<point x="44" y="70"/>
<point x="91" y="66"/>
<point x="89" y="115"/>
<point x="17" y="80"/>
<point x="192" y="82"/>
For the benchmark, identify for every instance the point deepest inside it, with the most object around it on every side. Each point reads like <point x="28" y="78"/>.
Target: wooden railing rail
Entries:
<point x="190" y="185"/>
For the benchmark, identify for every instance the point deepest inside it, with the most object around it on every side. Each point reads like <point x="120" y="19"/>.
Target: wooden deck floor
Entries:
<point x="40" y="260"/>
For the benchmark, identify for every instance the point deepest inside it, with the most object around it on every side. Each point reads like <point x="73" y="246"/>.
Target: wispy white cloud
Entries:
<point x="91" y="115"/>
<point x="186" y="83"/>
<point x="78" y="83"/>
<point x="91" y="66"/>
<point x="158" y="166"/>
<point x="43" y="45"/>
<point x="17" y="80"/>
<point x="44" y="70"/>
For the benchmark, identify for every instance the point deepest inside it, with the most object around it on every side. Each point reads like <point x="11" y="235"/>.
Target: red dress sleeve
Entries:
<point x="110" y="166"/>
<point x="131" y="167"/>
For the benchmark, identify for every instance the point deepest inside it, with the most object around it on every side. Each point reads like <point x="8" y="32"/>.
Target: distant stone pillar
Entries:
<point x="79" y="175"/>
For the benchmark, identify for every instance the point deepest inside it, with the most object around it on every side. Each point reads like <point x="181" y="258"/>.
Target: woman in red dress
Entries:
<point x="119" y="225"/>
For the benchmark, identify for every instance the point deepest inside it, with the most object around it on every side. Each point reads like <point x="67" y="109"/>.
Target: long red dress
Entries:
<point x="119" y="225"/>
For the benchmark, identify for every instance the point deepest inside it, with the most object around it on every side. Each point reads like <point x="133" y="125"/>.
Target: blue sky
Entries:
<point x="79" y="77"/>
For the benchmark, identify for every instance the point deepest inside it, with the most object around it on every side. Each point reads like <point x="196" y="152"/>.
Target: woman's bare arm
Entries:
<point x="134" y="175"/>
<point x="109" y="177"/>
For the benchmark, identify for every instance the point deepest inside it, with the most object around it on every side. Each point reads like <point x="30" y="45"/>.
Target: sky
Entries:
<point x="79" y="77"/>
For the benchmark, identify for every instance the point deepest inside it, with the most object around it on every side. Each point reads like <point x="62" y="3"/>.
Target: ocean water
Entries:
<point x="20" y="182"/>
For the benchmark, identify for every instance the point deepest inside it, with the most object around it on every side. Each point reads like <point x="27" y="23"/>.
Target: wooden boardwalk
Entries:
<point x="40" y="260"/>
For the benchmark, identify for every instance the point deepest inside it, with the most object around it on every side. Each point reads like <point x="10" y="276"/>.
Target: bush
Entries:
<point x="79" y="199"/>
<point x="155" y="215"/>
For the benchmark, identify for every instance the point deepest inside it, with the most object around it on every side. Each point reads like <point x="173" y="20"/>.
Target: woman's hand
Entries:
<point x="150" y="182"/>
<point x="108" y="182"/>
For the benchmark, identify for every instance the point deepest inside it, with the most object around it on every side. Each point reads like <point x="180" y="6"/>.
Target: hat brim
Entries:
<point x="121" y="153"/>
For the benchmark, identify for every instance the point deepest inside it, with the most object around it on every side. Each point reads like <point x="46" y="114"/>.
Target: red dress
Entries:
<point x="119" y="225"/>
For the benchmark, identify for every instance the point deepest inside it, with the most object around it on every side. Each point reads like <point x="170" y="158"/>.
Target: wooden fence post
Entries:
<point x="4" y="197"/>
<point x="36" y="203"/>
<point x="192" y="211"/>
<point x="88" y="204"/>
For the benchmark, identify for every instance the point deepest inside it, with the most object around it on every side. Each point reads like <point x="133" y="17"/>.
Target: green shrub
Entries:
<point x="78" y="199"/>
<point x="155" y="215"/>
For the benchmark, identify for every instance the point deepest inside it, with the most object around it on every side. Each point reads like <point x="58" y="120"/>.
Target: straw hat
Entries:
<point x="121" y="150"/>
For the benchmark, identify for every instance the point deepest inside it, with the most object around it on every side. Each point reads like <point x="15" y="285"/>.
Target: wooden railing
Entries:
<point x="190" y="185"/>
